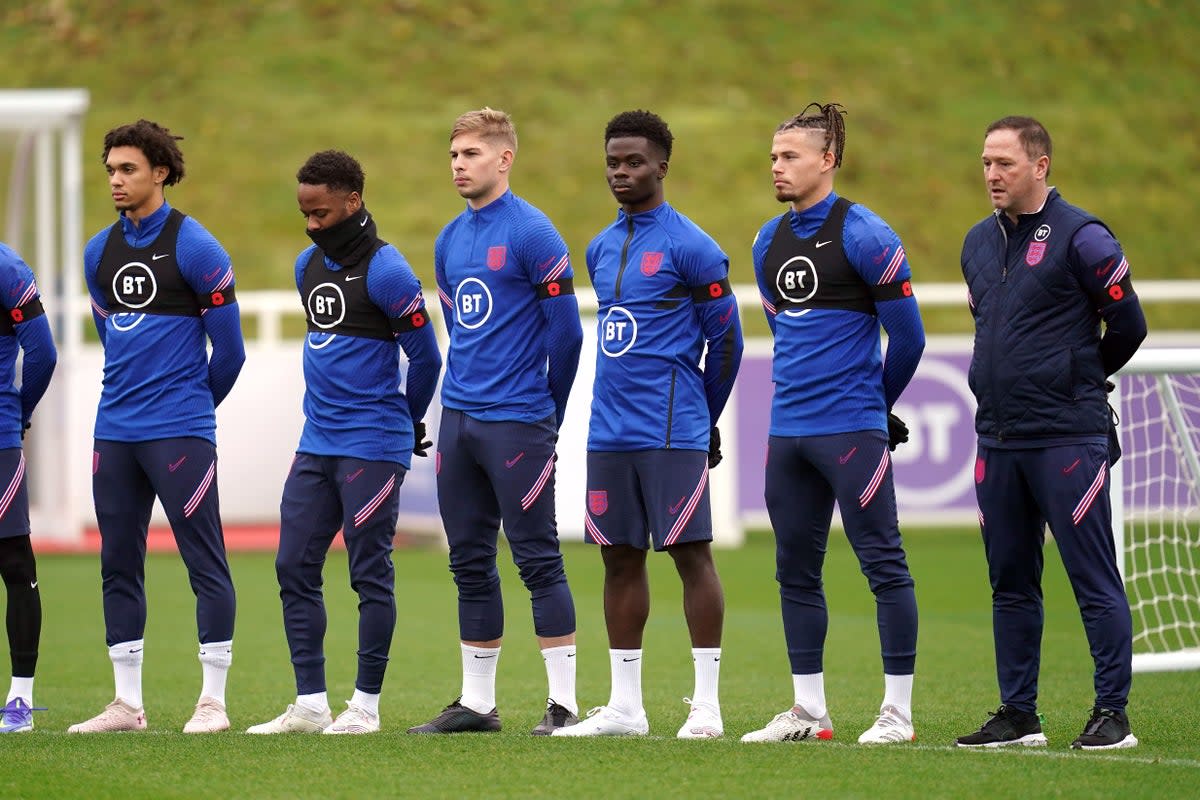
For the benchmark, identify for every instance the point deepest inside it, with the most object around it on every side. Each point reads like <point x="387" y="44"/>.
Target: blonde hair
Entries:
<point x="489" y="123"/>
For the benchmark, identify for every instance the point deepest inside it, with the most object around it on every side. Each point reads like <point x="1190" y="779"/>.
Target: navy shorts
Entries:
<point x="645" y="497"/>
<point x="14" y="502"/>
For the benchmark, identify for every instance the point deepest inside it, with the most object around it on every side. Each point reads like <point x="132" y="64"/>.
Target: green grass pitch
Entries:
<point x="955" y="689"/>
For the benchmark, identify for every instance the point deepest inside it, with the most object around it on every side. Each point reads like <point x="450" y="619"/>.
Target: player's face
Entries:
<point x="323" y="207"/>
<point x="635" y="168"/>
<point x="1015" y="182"/>
<point x="801" y="167"/>
<point x="136" y="187"/>
<point x="480" y="168"/>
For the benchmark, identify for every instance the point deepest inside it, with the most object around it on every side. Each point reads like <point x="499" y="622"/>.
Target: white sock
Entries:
<point x="22" y="688"/>
<point x="560" y="675"/>
<point x="317" y="701"/>
<point x="367" y="702"/>
<point x="810" y="694"/>
<point x="897" y="691"/>
<point x="215" y="658"/>
<point x="626" y="695"/>
<point x="126" y="659"/>
<point x="707" y="663"/>
<point x="479" y="677"/>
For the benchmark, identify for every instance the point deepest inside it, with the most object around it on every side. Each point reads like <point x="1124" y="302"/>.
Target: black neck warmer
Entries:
<point x="349" y="241"/>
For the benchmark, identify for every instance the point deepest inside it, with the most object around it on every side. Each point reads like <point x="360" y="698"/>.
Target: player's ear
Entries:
<point x="353" y="202"/>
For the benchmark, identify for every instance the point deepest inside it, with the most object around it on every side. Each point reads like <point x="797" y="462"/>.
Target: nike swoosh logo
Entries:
<point x="1070" y="469"/>
<point x="848" y="456"/>
<point x="1107" y="267"/>
<point x="822" y="244"/>
<point x="512" y="463"/>
<point x="366" y="219"/>
<point x="627" y="660"/>
<point x="136" y="650"/>
<point x="570" y="655"/>
<point x="479" y="656"/>
<point x="212" y="274"/>
<point x="33" y="585"/>
<point x="175" y="466"/>
<point x="354" y="475"/>
<point x="157" y="256"/>
<point x="352" y="278"/>
<point x="727" y="315"/>
<point x="673" y="510"/>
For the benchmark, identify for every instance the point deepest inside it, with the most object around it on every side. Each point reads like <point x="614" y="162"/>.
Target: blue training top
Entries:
<point x="828" y="368"/>
<point x="159" y="381"/>
<point x="663" y="287"/>
<point x="505" y="281"/>
<point x="354" y="404"/>
<point x="24" y="330"/>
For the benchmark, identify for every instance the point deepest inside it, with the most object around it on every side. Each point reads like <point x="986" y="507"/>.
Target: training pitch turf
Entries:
<point x="955" y="688"/>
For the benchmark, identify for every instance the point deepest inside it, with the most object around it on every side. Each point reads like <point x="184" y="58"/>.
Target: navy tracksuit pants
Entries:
<point x="1019" y="492"/>
<point x="322" y="495"/>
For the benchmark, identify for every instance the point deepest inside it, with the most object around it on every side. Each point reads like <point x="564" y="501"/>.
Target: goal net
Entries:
<point x="1156" y="505"/>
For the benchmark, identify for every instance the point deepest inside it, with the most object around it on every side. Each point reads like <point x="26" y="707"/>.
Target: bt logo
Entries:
<point x="326" y="305"/>
<point x="134" y="285"/>
<point x="618" y="332"/>
<point x="472" y="303"/>
<point x="796" y="280"/>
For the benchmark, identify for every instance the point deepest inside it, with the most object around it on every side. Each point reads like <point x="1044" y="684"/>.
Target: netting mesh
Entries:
<point x="1161" y="496"/>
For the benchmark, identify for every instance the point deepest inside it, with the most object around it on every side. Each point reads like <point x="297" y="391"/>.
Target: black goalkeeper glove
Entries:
<point x="421" y="445"/>
<point x="897" y="431"/>
<point x="714" y="447"/>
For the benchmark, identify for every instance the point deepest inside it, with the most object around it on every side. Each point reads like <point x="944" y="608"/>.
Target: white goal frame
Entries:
<point x="45" y="195"/>
<point x="1157" y="362"/>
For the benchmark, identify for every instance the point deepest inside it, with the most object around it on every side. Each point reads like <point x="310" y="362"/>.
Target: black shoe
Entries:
<point x="556" y="717"/>
<point x="1106" y="730"/>
<point x="1007" y="726"/>
<point x="457" y="718"/>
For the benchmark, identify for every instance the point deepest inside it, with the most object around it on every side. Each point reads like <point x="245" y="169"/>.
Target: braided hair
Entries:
<point x="827" y="118"/>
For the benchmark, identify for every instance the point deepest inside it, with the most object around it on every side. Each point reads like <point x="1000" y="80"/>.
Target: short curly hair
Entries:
<point x="340" y="171"/>
<point x="157" y="143"/>
<point x="645" y="124"/>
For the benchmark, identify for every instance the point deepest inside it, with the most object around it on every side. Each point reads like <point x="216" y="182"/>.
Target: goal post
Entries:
<point x="1156" y="505"/>
<point x="45" y="199"/>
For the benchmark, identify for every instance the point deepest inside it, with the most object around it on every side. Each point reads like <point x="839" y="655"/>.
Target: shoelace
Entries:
<point x="1097" y="722"/>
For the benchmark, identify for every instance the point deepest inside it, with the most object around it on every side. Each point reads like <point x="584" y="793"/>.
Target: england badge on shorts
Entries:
<point x="1033" y="256"/>
<point x="598" y="502"/>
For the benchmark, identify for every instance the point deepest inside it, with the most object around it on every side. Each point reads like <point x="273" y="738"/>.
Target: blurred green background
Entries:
<point x="256" y="88"/>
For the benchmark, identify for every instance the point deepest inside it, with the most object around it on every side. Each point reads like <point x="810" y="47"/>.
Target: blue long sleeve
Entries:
<point x="224" y="328"/>
<point x="38" y="360"/>
<point x="723" y="356"/>
<point x="564" y="340"/>
<point x="424" y="363"/>
<point x="906" y="342"/>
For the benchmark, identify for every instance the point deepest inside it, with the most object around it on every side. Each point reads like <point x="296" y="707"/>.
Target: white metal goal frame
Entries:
<point x="1156" y="505"/>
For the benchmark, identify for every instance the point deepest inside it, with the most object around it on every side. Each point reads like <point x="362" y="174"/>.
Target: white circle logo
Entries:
<point x="126" y="320"/>
<point x="1042" y="233"/>
<point x="326" y="305"/>
<point x="134" y="285"/>
<point x="796" y="280"/>
<point x="472" y="303"/>
<point x="318" y="340"/>
<point x="618" y="332"/>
